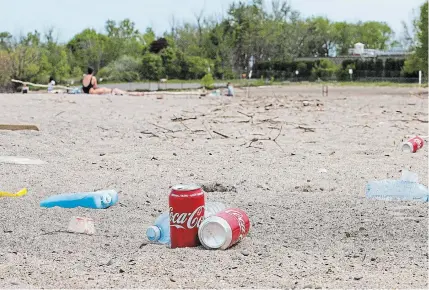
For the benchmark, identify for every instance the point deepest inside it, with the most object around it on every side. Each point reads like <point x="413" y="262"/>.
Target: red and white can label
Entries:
<point x="416" y="143"/>
<point x="239" y="223"/>
<point x="186" y="215"/>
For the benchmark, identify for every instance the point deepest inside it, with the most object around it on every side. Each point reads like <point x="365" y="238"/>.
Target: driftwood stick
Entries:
<point x="267" y="139"/>
<point x="169" y="130"/>
<point x="180" y="119"/>
<point x="280" y="131"/>
<point x="247" y="115"/>
<point x="149" y="133"/>
<point x="181" y="122"/>
<point x="208" y="131"/>
<point x="220" y="134"/>
<point x="18" y="127"/>
<point x="306" y="129"/>
<point x="38" y="85"/>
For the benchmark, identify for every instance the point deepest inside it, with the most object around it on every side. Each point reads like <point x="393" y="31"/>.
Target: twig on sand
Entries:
<point x="181" y="119"/>
<point x="220" y="134"/>
<point x="18" y="127"/>
<point x="247" y="115"/>
<point x="149" y="133"/>
<point x="169" y="130"/>
<point x="306" y="129"/>
<point x="59" y="113"/>
<point x="271" y="121"/>
<point x="267" y="139"/>
<point x="421" y="121"/>
<point x="406" y="121"/>
<point x="208" y="131"/>
<point x="181" y="122"/>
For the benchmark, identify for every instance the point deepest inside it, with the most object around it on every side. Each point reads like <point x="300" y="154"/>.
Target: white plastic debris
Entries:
<point x="20" y="160"/>
<point x="409" y="176"/>
<point x="81" y="225"/>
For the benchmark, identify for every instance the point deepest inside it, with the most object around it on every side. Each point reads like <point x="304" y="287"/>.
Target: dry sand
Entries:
<point x="309" y="229"/>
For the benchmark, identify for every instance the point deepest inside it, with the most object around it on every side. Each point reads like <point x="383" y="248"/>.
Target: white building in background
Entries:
<point x="359" y="50"/>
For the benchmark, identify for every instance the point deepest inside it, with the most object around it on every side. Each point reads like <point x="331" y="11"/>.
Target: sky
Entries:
<point x="70" y="17"/>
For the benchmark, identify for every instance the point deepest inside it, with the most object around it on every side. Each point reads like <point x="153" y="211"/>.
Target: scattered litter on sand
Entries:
<point x="11" y="127"/>
<point x="21" y="160"/>
<point x="20" y="193"/>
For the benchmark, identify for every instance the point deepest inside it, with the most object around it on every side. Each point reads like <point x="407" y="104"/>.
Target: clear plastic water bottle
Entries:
<point x="407" y="188"/>
<point x="160" y="231"/>
<point x="212" y="208"/>
<point x="96" y="200"/>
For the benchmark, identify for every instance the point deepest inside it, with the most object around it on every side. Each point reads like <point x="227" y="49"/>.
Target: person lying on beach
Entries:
<point x="90" y="86"/>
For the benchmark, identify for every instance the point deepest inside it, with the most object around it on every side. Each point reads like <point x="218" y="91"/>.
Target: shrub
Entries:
<point x="325" y="70"/>
<point x="207" y="81"/>
<point x="6" y="70"/>
<point x="196" y="67"/>
<point x="151" y="67"/>
<point x="125" y="69"/>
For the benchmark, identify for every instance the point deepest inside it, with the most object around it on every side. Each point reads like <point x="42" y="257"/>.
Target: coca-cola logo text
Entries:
<point x="187" y="220"/>
<point x="418" y="142"/>
<point x="240" y="220"/>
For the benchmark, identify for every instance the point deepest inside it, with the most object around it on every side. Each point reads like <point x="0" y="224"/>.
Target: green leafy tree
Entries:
<point x="373" y="34"/>
<point x="5" y="40"/>
<point x="172" y="62"/>
<point x="325" y="70"/>
<point x="125" y="69"/>
<point x="207" y="81"/>
<point x="6" y="70"/>
<point x="197" y="67"/>
<point x="151" y="67"/>
<point x="419" y="59"/>
<point x="89" y="49"/>
<point x="345" y="37"/>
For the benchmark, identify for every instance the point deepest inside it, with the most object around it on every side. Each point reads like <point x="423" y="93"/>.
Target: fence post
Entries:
<point x="420" y="77"/>
<point x="324" y="91"/>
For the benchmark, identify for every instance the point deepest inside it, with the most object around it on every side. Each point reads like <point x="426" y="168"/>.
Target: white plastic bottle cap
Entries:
<point x="153" y="233"/>
<point x="106" y="199"/>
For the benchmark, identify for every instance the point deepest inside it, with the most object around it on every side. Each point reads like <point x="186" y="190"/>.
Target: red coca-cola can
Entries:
<point x="413" y="145"/>
<point x="186" y="215"/>
<point x="224" y="229"/>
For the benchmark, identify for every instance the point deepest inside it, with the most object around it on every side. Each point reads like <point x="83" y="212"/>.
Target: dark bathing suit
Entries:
<point x="88" y="88"/>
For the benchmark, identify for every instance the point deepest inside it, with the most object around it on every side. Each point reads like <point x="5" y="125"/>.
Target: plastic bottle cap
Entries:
<point x="106" y="199"/>
<point x="153" y="233"/>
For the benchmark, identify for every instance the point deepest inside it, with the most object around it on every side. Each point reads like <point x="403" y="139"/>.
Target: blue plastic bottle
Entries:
<point x="407" y="188"/>
<point x="160" y="231"/>
<point x="96" y="200"/>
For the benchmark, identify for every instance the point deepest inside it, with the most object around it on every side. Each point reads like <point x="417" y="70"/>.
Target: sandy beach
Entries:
<point x="298" y="171"/>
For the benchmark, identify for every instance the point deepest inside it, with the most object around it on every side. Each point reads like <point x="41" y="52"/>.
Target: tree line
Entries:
<point x="221" y="46"/>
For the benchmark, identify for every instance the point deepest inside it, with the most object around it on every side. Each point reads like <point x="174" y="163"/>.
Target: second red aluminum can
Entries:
<point x="186" y="215"/>
<point x="225" y="229"/>
<point x="413" y="145"/>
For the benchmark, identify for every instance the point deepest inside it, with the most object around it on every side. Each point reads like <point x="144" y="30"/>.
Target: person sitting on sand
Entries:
<point x="230" y="88"/>
<point x="51" y="84"/>
<point x="90" y="86"/>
